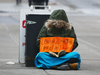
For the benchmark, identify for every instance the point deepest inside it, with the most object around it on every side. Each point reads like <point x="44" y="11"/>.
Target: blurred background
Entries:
<point x="12" y="7"/>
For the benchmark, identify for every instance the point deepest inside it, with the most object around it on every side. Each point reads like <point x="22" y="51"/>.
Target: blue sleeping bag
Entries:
<point x="45" y="60"/>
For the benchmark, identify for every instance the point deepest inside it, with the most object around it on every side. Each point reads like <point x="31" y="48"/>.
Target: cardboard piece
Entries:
<point x="56" y="44"/>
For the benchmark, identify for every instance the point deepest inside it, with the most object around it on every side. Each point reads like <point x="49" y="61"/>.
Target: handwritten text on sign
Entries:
<point x="56" y="44"/>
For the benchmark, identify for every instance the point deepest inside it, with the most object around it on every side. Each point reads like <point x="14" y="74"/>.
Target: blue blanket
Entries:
<point x="45" y="60"/>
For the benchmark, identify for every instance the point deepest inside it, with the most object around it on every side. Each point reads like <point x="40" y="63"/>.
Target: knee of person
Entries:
<point x="42" y="54"/>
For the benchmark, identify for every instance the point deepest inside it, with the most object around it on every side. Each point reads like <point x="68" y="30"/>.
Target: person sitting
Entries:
<point x="57" y="26"/>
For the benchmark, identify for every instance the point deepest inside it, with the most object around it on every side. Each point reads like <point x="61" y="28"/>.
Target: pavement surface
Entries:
<point x="87" y="28"/>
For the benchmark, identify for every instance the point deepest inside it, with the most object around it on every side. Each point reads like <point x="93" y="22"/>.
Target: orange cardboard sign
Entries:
<point x="56" y="44"/>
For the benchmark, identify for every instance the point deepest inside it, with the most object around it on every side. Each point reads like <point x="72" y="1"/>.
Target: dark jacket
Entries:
<point x="58" y="17"/>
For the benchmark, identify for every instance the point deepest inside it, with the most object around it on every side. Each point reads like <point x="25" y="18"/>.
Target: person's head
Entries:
<point x="58" y="18"/>
<point x="59" y="14"/>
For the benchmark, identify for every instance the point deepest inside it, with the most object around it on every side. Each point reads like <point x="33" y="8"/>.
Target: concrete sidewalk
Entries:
<point x="89" y="54"/>
<point x="11" y="7"/>
<point x="87" y="28"/>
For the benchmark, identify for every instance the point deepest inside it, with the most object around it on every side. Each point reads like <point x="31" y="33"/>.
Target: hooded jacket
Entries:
<point x="58" y="17"/>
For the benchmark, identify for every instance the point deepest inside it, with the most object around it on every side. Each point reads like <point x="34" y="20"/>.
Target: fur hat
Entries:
<point x="50" y="23"/>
